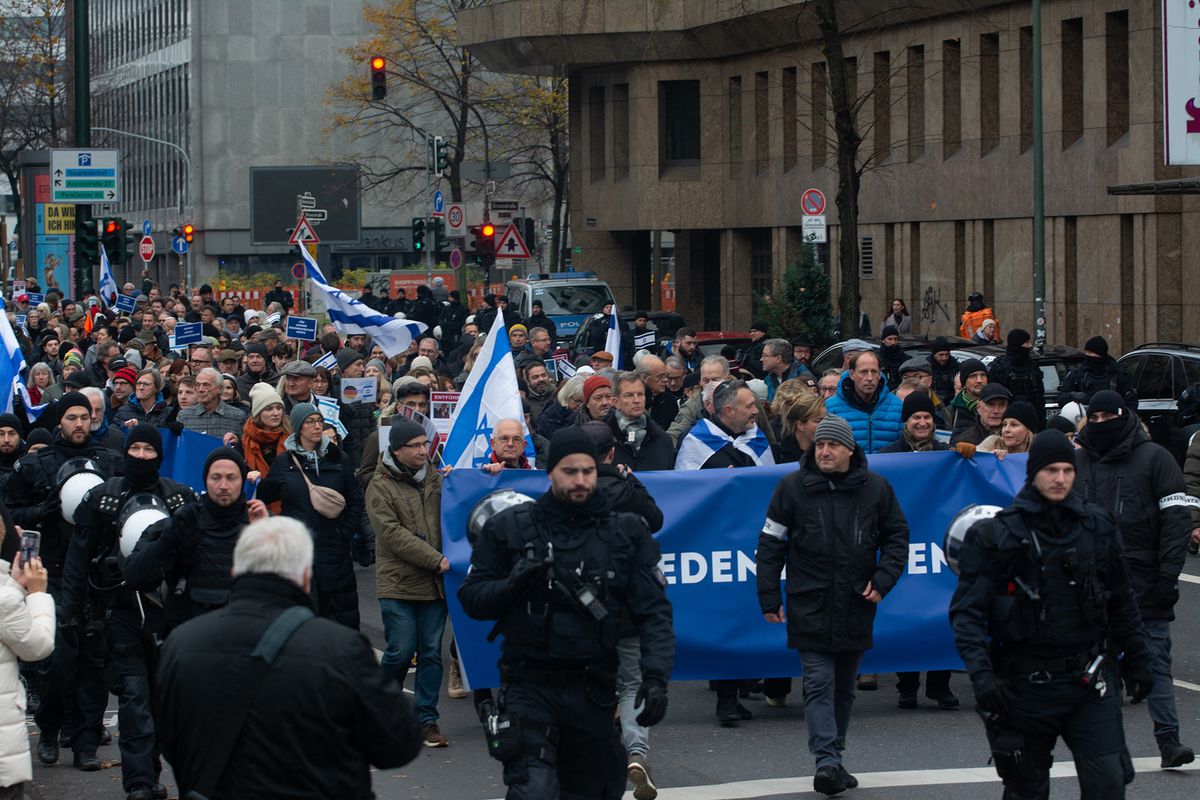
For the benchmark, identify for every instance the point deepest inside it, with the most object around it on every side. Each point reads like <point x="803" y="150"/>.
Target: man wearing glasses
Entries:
<point x="211" y="415"/>
<point x="508" y="448"/>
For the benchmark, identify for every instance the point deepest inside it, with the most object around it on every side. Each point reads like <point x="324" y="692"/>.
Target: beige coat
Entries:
<point x="27" y="627"/>
<point x="407" y="520"/>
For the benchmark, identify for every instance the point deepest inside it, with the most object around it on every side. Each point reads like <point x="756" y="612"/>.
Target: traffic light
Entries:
<point x="87" y="241"/>
<point x="483" y="239"/>
<point x="189" y="232"/>
<point x="112" y="238"/>
<point x="418" y="234"/>
<point x="378" y="77"/>
<point x="439" y="235"/>
<point x="441" y="159"/>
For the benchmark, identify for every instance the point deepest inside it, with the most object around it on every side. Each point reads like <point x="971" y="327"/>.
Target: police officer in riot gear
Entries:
<point x="1045" y="619"/>
<point x="94" y="589"/>
<point x="555" y="575"/>
<point x="73" y="680"/>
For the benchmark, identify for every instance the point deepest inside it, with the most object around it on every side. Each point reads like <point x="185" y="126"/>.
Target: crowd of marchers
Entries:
<point x="248" y="582"/>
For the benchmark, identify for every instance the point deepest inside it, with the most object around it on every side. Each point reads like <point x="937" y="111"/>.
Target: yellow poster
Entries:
<point x="58" y="220"/>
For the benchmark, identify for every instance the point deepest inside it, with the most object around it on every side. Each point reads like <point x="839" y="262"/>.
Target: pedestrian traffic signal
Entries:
<point x="441" y="158"/>
<point x="418" y="234"/>
<point x="378" y="77"/>
<point x="189" y="232"/>
<point x="87" y="241"/>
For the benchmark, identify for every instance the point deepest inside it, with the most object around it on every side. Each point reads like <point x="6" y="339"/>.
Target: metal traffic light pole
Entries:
<point x="83" y="125"/>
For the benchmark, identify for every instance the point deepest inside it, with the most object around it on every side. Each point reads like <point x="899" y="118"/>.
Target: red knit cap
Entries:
<point x="126" y="374"/>
<point x="592" y="384"/>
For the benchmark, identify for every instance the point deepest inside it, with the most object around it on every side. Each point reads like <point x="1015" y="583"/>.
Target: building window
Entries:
<point x="883" y="105"/>
<point x="735" y="125"/>
<point x="951" y="97"/>
<point x="866" y="257"/>
<point x="760" y="261"/>
<point x="679" y="123"/>
<point x="789" y="118"/>
<point x="989" y="92"/>
<point x="620" y="131"/>
<point x="1072" y="81"/>
<point x="916" y="102"/>
<point x="820" y="114"/>
<point x="1026" y="59"/>
<point x="596" y="124"/>
<point x="1116" y="62"/>
<point x="762" y="124"/>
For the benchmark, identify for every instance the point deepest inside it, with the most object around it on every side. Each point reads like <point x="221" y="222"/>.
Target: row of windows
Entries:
<point x="153" y="176"/>
<point x="680" y="120"/>
<point x="125" y="30"/>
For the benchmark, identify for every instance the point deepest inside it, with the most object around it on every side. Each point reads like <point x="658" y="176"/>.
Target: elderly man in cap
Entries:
<point x="601" y="359"/>
<point x="297" y="384"/>
<point x="852" y="346"/>
<point x="815" y="527"/>
<point x="989" y="415"/>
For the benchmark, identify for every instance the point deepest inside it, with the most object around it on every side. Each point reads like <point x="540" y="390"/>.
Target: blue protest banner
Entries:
<point x="126" y="303"/>
<point x="303" y="328"/>
<point x="708" y="541"/>
<point x="35" y="298"/>
<point x="183" y="456"/>
<point x="188" y="333"/>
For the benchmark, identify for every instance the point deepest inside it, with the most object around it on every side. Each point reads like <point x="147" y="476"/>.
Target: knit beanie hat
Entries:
<point x="127" y="374"/>
<point x="301" y="412"/>
<point x="1024" y="413"/>
<point x="592" y="384"/>
<point x="889" y="330"/>
<point x="1109" y="402"/>
<point x="836" y="429"/>
<point x="970" y="367"/>
<point x="940" y="345"/>
<point x="404" y="430"/>
<point x="147" y="433"/>
<point x="1097" y="345"/>
<point x="1060" y="423"/>
<point x="263" y="395"/>
<point x="1049" y="447"/>
<point x="225" y="454"/>
<point x="915" y="402"/>
<point x="567" y="442"/>
<point x="1017" y="338"/>
<point x="71" y="399"/>
<point x="10" y="421"/>
<point x="346" y="357"/>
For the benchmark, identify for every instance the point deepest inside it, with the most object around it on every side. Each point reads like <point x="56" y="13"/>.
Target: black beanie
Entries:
<point x="1097" y="345"/>
<point x="970" y="367"/>
<point x="38" y="436"/>
<point x="1017" y="338"/>
<point x="72" y="399"/>
<point x="889" y="330"/>
<point x="1049" y="447"/>
<point x="567" y="442"/>
<point x="145" y="432"/>
<point x="404" y="430"/>
<point x="1023" y="413"/>
<point x="1109" y="402"/>
<point x="1060" y="423"/>
<point x="256" y="349"/>
<point x="916" y="401"/>
<point x="11" y="421"/>
<point x="224" y="454"/>
<point x="940" y="345"/>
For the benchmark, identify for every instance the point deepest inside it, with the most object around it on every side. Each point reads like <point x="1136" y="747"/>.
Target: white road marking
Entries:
<point x="1186" y="685"/>
<point x="1183" y="576"/>
<point x="745" y="790"/>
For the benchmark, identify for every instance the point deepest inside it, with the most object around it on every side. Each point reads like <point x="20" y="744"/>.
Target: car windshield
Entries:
<point x="582" y="298"/>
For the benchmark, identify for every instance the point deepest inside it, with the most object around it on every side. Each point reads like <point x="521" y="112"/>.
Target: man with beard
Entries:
<point x="1120" y="469"/>
<point x="257" y="368"/>
<point x="538" y="319"/>
<point x="891" y="356"/>
<point x="11" y="447"/>
<point x="93" y="585"/>
<point x="1098" y="371"/>
<point x="558" y="652"/>
<point x="943" y="366"/>
<point x="74" y="681"/>
<point x="1018" y="370"/>
<point x="539" y="389"/>
<point x="194" y="552"/>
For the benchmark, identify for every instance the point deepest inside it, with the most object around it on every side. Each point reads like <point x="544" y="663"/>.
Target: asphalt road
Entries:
<point x="898" y="755"/>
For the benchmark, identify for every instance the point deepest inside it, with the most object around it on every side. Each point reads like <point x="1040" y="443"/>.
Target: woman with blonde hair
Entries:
<point x="1017" y="429"/>
<point x="799" y="425"/>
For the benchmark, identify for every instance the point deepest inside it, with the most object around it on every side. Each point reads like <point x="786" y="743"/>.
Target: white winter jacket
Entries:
<point x="26" y="632"/>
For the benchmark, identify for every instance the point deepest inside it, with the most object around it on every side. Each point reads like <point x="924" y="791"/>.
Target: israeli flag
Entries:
<point x="394" y="336"/>
<point x="108" y="284"/>
<point x="328" y="361"/>
<point x="612" y="340"/>
<point x="489" y="395"/>
<point x="706" y="438"/>
<point x="12" y="364"/>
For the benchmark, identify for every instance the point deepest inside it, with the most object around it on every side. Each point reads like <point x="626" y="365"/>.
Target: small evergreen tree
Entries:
<point x="804" y="305"/>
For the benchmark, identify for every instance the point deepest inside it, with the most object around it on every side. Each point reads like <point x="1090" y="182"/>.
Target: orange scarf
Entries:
<point x="256" y="439"/>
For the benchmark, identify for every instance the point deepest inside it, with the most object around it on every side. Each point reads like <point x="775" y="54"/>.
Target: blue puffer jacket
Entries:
<point x="874" y="427"/>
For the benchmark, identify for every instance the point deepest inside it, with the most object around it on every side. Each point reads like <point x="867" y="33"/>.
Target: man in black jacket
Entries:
<point x="311" y="721"/>
<point x="818" y="522"/>
<point x="538" y="319"/>
<point x="556" y="575"/>
<point x="1042" y="611"/>
<point x="641" y="443"/>
<point x="1139" y="482"/>
<point x="1098" y="371"/>
<point x="1018" y="371"/>
<point x="451" y="320"/>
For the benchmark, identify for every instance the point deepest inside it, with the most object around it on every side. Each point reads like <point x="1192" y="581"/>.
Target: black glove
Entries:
<point x="990" y="695"/>
<point x="175" y="427"/>
<point x="363" y="552"/>
<point x="1138" y="677"/>
<point x="1166" y="590"/>
<point x="652" y="697"/>
<point x="524" y="573"/>
<point x="49" y="508"/>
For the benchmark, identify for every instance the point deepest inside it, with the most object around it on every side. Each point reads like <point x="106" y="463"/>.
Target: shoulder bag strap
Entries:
<point x="269" y="645"/>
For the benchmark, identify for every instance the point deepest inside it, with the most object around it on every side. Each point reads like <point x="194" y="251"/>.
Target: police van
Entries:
<point x="568" y="298"/>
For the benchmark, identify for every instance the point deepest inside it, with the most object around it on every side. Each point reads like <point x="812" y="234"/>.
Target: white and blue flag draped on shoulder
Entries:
<point x="350" y="316"/>
<point x="108" y="284"/>
<point x="489" y="395"/>
<point x="612" y="339"/>
<point x="12" y="365"/>
<point x="706" y="438"/>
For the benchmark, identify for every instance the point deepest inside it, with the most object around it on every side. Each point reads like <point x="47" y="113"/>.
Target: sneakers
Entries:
<point x="638" y="774"/>
<point x="432" y="737"/>
<point x="454" y="686"/>
<point x="848" y="779"/>
<point x="777" y="702"/>
<point x="828" y="781"/>
<point x="868" y="683"/>
<point x="1173" y="753"/>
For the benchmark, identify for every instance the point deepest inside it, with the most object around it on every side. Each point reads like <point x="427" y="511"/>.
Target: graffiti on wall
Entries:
<point x="931" y="305"/>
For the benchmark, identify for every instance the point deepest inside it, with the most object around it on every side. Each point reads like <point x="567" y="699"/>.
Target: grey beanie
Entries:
<point x="835" y="429"/>
<point x="301" y="412"/>
<point x="404" y="430"/>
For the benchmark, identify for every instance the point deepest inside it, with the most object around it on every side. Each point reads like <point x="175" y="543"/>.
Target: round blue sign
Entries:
<point x="439" y="202"/>
<point x="145" y="227"/>
<point x="456" y="258"/>
<point x="179" y="245"/>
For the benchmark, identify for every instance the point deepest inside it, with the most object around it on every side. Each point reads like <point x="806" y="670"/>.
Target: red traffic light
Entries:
<point x="189" y="232"/>
<point x="488" y="229"/>
<point x="110" y="226"/>
<point x="378" y="63"/>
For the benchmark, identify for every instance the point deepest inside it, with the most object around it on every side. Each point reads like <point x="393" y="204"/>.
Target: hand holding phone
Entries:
<point x="31" y="545"/>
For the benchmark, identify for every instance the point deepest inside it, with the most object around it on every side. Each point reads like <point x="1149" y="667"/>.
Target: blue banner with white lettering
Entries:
<point x="708" y="540"/>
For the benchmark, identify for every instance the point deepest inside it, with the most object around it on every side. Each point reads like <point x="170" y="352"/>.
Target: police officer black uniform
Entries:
<point x="72" y="680"/>
<point x="94" y="589"/>
<point x="1046" y="581"/>
<point x="555" y="574"/>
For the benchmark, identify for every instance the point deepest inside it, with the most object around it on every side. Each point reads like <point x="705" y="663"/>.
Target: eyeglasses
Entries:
<point x="314" y="421"/>
<point x="509" y="439"/>
<point x="199" y="361"/>
<point x="421" y="445"/>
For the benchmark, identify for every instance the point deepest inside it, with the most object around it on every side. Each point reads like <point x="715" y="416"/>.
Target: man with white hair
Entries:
<point x="260" y="699"/>
<point x="102" y="432"/>
<point x="212" y="415"/>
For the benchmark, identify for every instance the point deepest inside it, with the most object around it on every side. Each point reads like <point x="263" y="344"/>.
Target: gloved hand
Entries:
<point x="49" y="508"/>
<point x="1138" y="677"/>
<point x="1166" y="590"/>
<point x="652" y="697"/>
<point x="990" y="694"/>
<point x="965" y="449"/>
<point x="524" y="573"/>
<point x="176" y="427"/>
<point x="363" y="552"/>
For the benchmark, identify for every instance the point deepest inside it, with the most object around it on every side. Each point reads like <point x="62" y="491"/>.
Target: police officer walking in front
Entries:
<point x="1042" y="612"/>
<point x="555" y="574"/>
<point x="94" y="589"/>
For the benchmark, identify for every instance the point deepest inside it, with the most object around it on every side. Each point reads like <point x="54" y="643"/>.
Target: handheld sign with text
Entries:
<point x="304" y="328"/>
<point x="188" y="333"/>
<point x="35" y="298"/>
<point x="125" y="303"/>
